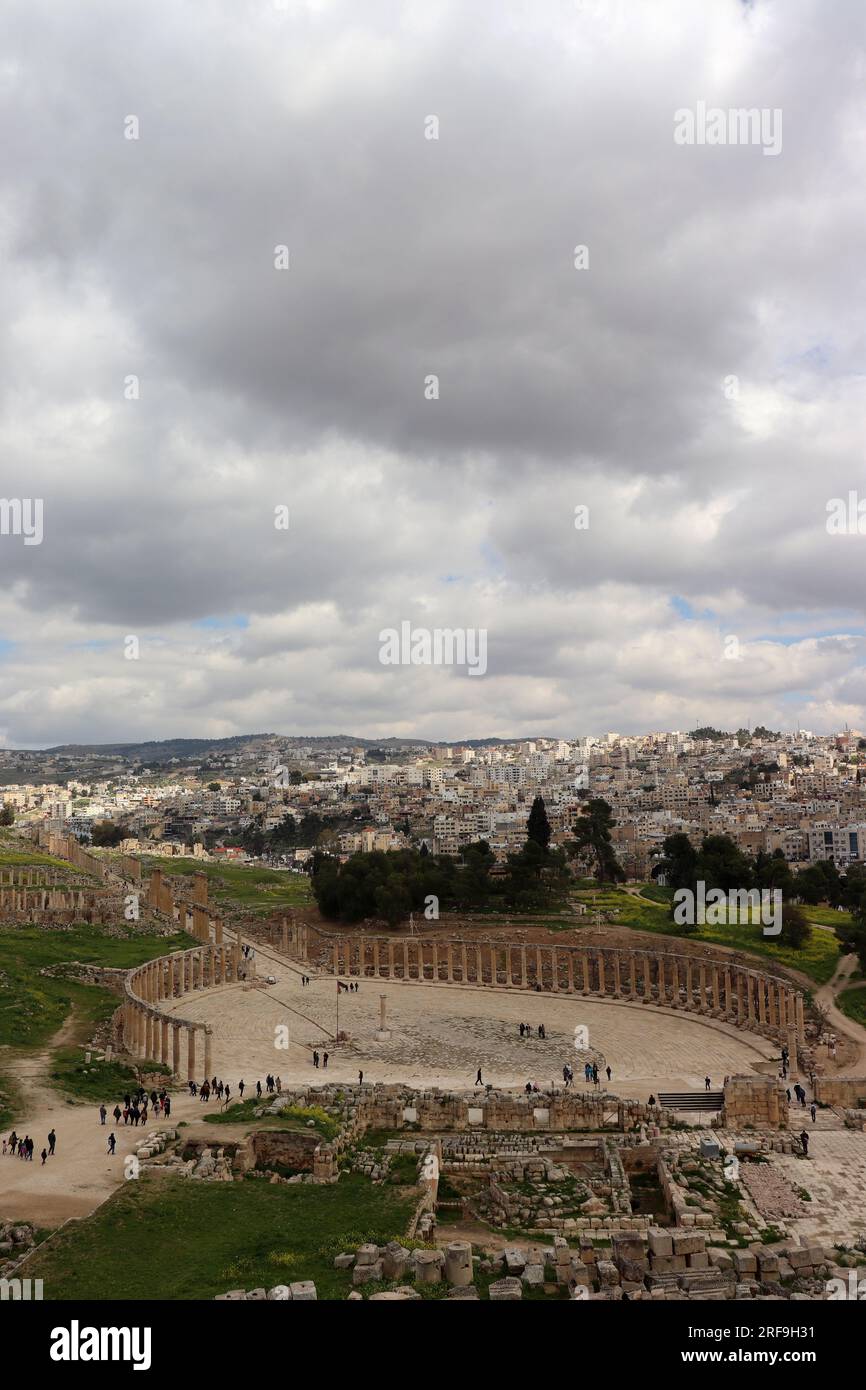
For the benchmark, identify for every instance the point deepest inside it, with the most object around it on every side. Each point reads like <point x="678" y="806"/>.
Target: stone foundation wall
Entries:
<point x="755" y="1100"/>
<point x="841" y="1090"/>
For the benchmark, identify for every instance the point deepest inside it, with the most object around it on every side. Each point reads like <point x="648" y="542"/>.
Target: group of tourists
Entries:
<point x="135" y="1107"/>
<point x="323" y="1058"/>
<point x="351" y="988"/>
<point x="22" y="1146"/>
<point x="526" y="1031"/>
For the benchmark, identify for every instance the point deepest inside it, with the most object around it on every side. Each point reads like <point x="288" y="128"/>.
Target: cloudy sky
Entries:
<point x="166" y="387"/>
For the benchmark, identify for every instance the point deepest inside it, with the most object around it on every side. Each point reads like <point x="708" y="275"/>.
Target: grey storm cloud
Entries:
<point x="260" y="126"/>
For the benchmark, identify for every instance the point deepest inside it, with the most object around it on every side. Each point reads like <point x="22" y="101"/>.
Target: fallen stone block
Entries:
<point x="504" y="1290"/>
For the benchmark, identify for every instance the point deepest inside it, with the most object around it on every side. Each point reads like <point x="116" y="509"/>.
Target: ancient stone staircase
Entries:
<point x="692" y="1100"/>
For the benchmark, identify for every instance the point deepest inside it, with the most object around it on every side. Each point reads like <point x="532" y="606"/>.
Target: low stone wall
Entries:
<point x="848" y="1091"/>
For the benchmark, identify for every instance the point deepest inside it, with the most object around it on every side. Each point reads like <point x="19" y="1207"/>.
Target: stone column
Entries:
<point x="663" y="984"/>
<point x="175" y="1048"/>
<point x="801" y="1025"/>
<point x="570" y="958"/>
<point x="675" y="983"/>
<point x="584" y="960"/>
<point x="690" y="1000"/>
<point x="463" y="962"/>
<point x="449" y="963"/>
<point x="390" y="960"/>
<point x="376" y="959"/>
<point x="783" y="1012"/>
<point x="617" y="982"/>
<point x="554" y="969"/>
<point x="601" y="983"/>
<point x="479" y="979"/>
<point x="750" y="998"/>
<point x="762" y="1007"/>
<point x="405" y="960"/>
<point x="717" y="1004"/>
<point x="524" y="977"/>
<point x="190" y="1054"/>
<point x="729" y="1003"/>
<point x="163" y="1041"/>
<point x="207" y="1051"/>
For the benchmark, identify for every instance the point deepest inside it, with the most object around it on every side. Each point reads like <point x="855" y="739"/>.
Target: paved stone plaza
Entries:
<point x="440" y="1035"/>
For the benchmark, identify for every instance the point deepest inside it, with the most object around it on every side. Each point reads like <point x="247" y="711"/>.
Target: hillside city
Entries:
<point x="276" y="800"/>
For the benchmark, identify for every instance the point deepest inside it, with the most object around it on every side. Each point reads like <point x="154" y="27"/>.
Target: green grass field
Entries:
<point x="852" y="1002"/>
<point x="234" y="885"/>
<point x="11" y="858"/>
<point x="33" y="1006"/>
<point x="817" y="959"/>
<point x="168" y="1238"/>
<point x="96" y="1081"/>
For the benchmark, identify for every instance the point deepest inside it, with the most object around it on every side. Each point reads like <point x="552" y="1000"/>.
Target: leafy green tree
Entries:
<point x="107" y="835"/>
<point x="818" y="883"/>
<point x="722" y="865"/>
<point x="796" y="929"/>
<point x="592" y="833"/>
<point x="773" y="871"/>
<point x="680" y="861"/>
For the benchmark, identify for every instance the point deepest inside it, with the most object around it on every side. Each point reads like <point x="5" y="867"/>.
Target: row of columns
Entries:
<point x="147" y="1031"/>
<point x="160" y="1038"/>
<point x="17" y="899"/>
<point x="748" y="998"/>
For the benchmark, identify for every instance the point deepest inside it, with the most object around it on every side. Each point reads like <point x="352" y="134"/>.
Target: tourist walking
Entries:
<point x="325" y="1061"/>
<point x="112" y="1143"/>
<point x="102" y="1113"/>
<point x="804" y="1140"/>
<point x="813" y="1110"/>
<point x="706" y="1083"/>
<point x="52" y="1141"/>
<point x="241" y="1087"/>
<point x="478" y="1081"/>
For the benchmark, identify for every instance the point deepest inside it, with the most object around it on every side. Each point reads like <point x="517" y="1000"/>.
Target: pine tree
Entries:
<point x="538" y="826"/>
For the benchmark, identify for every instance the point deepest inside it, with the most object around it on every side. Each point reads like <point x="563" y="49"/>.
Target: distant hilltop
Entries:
<point x="163" y="750"/>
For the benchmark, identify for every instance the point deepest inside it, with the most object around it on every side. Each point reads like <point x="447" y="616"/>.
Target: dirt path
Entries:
<point x="826" y="996"/>
<point x="81" y="1174"/>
